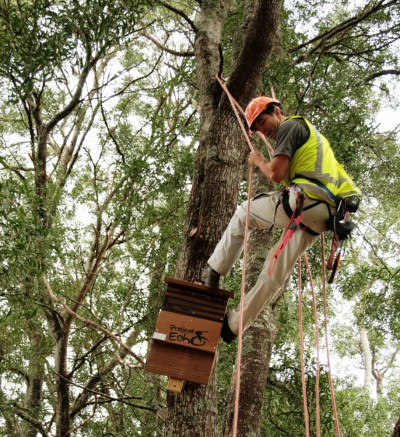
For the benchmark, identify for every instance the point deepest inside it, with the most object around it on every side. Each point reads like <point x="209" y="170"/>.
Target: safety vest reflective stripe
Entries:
<point x="315" y="160"/>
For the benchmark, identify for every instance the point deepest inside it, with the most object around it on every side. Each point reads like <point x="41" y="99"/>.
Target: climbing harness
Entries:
<point x="341" y="226"/>
<point x="294" y="223"/>
<point x="339" y="223"/>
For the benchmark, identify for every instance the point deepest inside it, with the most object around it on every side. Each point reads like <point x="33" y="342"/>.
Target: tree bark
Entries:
<point x="367" y="358"/>
<point x="258" y="342"/>
<point x="396" y="430"/>
<point x="35" y="379"/>
<point x="219" y="170"/>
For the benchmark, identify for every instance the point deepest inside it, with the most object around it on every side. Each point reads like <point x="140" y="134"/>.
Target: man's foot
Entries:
<point x="226" y="334"/>
<point x="210" y="277"/>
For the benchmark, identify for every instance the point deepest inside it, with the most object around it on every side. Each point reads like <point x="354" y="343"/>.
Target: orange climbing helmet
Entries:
<point x="256" y="107"/>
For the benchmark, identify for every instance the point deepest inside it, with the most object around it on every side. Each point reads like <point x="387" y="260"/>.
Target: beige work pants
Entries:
<point x="265" y="213"/>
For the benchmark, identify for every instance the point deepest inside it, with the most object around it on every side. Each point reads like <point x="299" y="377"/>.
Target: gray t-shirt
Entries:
<point x="292" y="134"/>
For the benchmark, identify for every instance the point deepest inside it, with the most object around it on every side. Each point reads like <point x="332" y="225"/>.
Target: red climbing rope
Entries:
<point x="318" y="371"/>
<point x="333" y="400"/>
<point x="242" y="295"/>
<point x="236" y="106"/>
<point x="301" y="339"/>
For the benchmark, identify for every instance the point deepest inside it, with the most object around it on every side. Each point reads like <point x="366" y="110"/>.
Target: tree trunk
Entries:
<point x="259" y="339"/>
<point x="193" y="413"/>
<point x="35" y="378"/>
<point x="367" y="358"/>
<point x="62" y="384"/>
<point x="258" y="342"/>
<point x="396" y="430"/>
<point x="212" y="202"/>
<point x="219" y="171"/>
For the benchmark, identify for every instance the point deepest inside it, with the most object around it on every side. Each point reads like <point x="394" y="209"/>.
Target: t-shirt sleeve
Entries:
<point x="292" y="134"/>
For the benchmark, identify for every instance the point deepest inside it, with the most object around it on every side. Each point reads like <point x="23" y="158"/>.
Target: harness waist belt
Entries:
<point x="289" y="212"/>
<point x="333" y="197"/>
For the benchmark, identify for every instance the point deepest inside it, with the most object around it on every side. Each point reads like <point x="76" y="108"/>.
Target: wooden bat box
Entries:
<point x="187" y="331"/>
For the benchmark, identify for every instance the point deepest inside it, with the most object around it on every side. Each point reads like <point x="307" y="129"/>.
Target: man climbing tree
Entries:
<point x="318" y="195"/>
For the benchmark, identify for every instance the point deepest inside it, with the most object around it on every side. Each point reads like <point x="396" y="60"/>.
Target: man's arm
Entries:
<point x="275" y="170"/>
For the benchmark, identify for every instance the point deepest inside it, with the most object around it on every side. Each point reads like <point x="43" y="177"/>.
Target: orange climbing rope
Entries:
<point x="242" y="295"/>
<point x="301" y="340"/>
<point x="235" y="106"/>
<point x="333" y="400"/>
<point x="324" y="299"/>
<point x="317" y="376"/>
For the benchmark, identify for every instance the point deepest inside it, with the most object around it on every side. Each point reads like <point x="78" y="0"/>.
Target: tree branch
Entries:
<point x="340" y="28"/>
<point x="260" y="41"/>
<point x="180" y="13"/>
<point x="89" y="322"/>
<point x="75" y="100"/>
<point x="82" y="399"/>
<point x="165" y="48"/>
<point x="381" y="73"/>
<point x="20" y="412"/>
<point x="15" y="169"/>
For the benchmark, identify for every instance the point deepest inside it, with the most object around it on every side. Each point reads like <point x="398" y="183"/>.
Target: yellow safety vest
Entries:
<point x="315" y="169"/>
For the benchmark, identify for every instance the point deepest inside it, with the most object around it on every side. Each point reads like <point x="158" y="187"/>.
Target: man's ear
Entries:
<point x="278" y="112"/>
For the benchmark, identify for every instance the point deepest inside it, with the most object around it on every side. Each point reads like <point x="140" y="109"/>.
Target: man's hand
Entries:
<point x="256" y="159"/>
<point x="274" y="170"/>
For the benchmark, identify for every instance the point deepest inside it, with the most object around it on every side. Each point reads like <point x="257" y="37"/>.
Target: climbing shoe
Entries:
<point x="226" y="334"/>
<point x="210" y="277"/>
